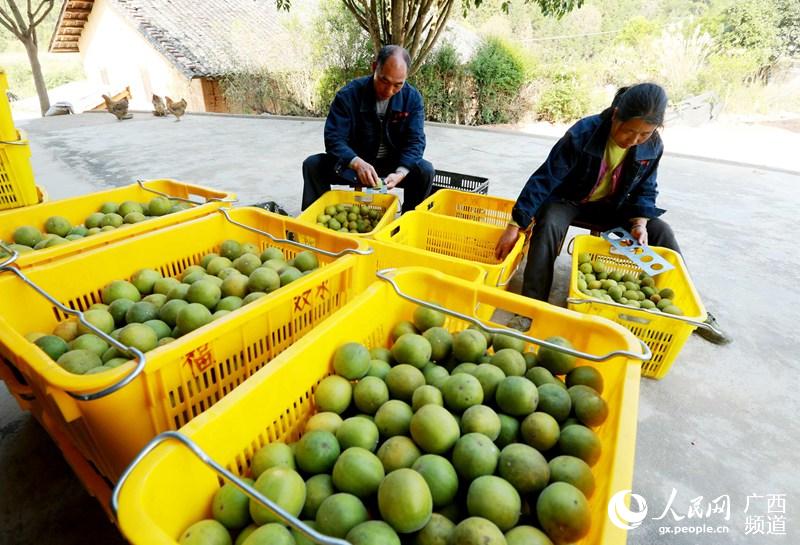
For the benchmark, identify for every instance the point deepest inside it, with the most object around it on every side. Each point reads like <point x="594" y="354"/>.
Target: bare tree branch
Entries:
<point x="433" y="37"/>
<point x="422" y="30"/>
<point x="398" y="30"/>
<point x="418" y="24"/>
<point x="386" y="29"/>
<point x="8" y="23"/>
<point x="410" y="11"/>
<point x="24" y="28"/>
<point x="40" y="6"/>
<point x="50" y="4"/>
<point x="360" y="16"/>
<point x="374" y="26"/>
<point x="422" y="13"/>
<point x="18" y="16"/>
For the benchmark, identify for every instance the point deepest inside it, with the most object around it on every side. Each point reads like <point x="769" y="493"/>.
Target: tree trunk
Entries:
<point x="38" y="78"/>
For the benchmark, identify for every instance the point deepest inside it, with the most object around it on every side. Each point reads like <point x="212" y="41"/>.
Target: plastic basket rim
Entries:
<point x="507" y="261"/>
<point x="597" y="303"/>
<point x="61" y="251"/>
<point x="51" y="373"/>
<point x="392" y="205"/>
<point x="626" y="427"/>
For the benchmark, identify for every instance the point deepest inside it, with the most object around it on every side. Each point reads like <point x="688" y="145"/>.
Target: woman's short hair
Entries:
<point x="645" y="101"/>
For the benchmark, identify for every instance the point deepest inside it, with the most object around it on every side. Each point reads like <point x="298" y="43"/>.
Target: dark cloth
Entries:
<point x="552" y="223"/>
<point x="353" y="127"/>
<point x="571" y="169"/>
<point x="319" y="173"/>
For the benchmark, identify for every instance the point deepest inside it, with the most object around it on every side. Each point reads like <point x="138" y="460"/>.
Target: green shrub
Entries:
<point x="499" y="73"/>
<point x="726" y="71"/>
<point x="57" y="68"/>
<point x="330" y="81"/>
<point x="637" y="31"/>
<point x="446" y="87"/>
<point x="341" y="49"/>
<point x="258" y="91"/>
<point x="565" y="98"/>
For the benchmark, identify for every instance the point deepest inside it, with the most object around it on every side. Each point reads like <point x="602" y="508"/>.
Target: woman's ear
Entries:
<point x="614" y="111"/>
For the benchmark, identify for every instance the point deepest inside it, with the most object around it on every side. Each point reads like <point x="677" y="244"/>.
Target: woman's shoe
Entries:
<point x="715" y="335"/>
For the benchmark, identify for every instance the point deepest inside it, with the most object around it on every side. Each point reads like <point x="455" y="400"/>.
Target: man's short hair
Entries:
<point x="390" y="50"/>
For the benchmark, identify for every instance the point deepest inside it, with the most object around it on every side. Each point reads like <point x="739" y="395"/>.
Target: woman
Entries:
<point x="602" y="172"/>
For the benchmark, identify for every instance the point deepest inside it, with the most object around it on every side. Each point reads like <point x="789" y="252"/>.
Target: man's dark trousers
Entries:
<point x="552" y="223"/>
<point x="319" y="174"/>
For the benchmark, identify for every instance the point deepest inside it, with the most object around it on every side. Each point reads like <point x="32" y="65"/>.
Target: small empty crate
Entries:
<point x="458" y="240"/>
<point x="444" y="179"/>
<point x="473" y="207"/>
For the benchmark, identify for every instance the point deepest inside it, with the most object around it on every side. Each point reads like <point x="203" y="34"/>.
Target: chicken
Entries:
<point x="176" y="108"/>
<point x="118" y="107"/>
<point x="159" y="109"/>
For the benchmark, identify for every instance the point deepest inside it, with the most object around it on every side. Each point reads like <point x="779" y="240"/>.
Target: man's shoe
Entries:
<point x="716" y="336"/>
<point x="520" y="323"/>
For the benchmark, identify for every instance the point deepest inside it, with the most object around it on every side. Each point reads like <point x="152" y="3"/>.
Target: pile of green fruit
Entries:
<point x="351" y="218"/>
<point x="434" y="441"/>
<point x="635" y="291"/>
<point x="151" y="310"/>
<point x="58" y="230"/>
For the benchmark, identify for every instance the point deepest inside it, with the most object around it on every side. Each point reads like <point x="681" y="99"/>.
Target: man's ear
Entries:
<point x="374" y="66"/>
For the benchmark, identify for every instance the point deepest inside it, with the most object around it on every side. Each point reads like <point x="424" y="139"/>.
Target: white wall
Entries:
<point x="115" y="55"/>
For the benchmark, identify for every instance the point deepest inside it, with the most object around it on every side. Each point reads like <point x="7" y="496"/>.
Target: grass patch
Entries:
<point x="58" y="69"/>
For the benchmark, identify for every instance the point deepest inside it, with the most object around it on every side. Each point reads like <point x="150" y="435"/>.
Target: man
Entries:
<point x="374" y="130"/>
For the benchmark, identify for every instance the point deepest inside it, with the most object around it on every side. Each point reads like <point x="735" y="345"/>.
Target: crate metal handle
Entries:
<point x="140" y="358"/>
<point x="12" y="255"/>
<point x="174" y="198"/>
<point x="516" y="268"/>
<point x="386" y="274"/>
<point x="510" y="276"/>
<point x="709" y="327"/>
<point x="274" y="508"/>
<point x="224" y="212"/>
<point x="571" y="246"/>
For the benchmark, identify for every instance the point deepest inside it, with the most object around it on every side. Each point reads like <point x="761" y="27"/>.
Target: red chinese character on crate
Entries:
<point x="302" y="300"/>
<point x="199" y="359"/>
<point x="322" y="289"/>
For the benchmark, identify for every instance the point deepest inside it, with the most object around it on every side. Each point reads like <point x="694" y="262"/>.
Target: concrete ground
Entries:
<point x="722" y="423"/>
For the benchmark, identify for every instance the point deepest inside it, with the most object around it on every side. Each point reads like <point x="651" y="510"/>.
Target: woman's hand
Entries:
<point x="639" y="232"/>
<point x="506" y="242"/>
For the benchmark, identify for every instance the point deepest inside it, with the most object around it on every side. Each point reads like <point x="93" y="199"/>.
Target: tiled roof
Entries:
<point x="208" y="38"/>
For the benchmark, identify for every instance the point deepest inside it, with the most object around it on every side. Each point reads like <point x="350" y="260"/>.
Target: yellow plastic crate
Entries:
<point x="389" y="255"/>
<point x="386" y="202"/>
<point x="76" y="209"/>
<point x="7" y="129"/>
<point x="460" y="241"/>
<point x="17" y="187"/>
<point x="664" y="334"/>
<point x="469" y="206"/>
<point x="184" y="378"/>
<point x="170" y="489"/>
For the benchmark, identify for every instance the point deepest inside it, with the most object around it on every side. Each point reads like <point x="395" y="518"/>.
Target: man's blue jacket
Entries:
<point x="353" y="127"/>
<point x="570" y="173"/>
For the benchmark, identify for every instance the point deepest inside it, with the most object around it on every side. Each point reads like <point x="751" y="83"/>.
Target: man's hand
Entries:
<point x="366" y="173"/>
<point x="639" y="232"/>
<point x="393" y="179"/>
<point x="506" y="242"/>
